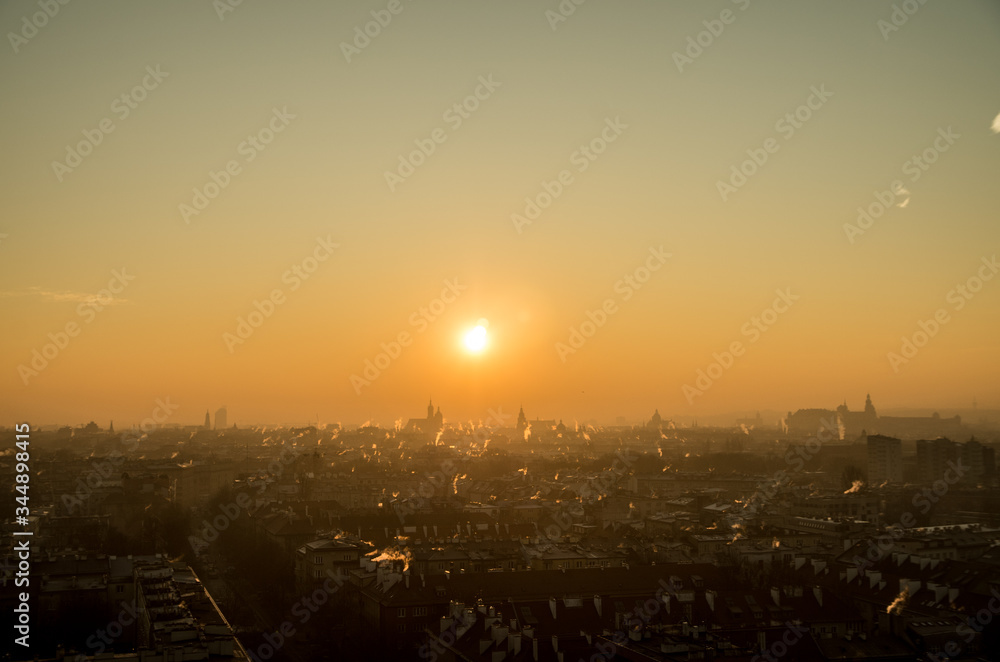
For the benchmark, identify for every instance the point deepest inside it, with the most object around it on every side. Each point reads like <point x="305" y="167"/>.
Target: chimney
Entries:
<point x="552" y="607"/>
<point x="534" y="649"/>
<point x="445" y="623"/>
<point x="514" y="642"/>
<point x="484" y="645"/>
<point x="555" y="643"/>
<point x="710" y="598"/>
<point x="598" y="606"/>
<point x="776" y="595"/>
<point x="818" y="594"/>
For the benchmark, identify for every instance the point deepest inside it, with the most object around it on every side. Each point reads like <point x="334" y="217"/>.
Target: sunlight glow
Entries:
<point x="475" y="339"/>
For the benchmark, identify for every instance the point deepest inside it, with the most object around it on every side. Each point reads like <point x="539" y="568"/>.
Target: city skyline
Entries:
<point x="505" y="416"/>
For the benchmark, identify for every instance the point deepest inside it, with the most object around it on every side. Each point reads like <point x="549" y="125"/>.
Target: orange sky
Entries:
<point x="627" y="148"/>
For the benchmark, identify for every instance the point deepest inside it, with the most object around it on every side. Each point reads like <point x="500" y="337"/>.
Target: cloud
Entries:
<point x="64" y="296"/>
<point x="996" y="124"/>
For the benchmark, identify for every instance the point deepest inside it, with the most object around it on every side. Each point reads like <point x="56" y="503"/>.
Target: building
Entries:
<point x="331" y="557"/>
<point x="221" y="419"/>
<point x="853" y="424"/>
<point x="885" y="460"/>
<point x="432" y="423"/>
<point x="934" y="456"/>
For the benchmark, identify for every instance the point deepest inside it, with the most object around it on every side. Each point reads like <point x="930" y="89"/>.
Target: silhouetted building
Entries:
<point x="856" y="423"/>
<point x="933" y="456"/>
<point x="885" y="459"/>
<point x="221" y="419"/>
<point x="433" y="422"/>
<point x="208" y="421"/>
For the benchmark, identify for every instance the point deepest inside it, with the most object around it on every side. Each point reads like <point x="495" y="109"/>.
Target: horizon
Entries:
<point x="770" y="417"/>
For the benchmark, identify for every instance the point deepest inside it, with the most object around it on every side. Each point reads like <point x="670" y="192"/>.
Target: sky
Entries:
<point x="252" y="204"/>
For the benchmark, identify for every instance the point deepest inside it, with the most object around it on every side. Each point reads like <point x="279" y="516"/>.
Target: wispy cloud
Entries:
<point x="63" y="296"/>
<point x="996" y="124"/>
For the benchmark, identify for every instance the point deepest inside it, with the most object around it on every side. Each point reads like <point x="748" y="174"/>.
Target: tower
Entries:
<point x="869" y="407"/>
<point x="430" y="410"/>
<point x="208" y="421"/>
<point x="522" y="420"/>
<point x="221" y="419"/>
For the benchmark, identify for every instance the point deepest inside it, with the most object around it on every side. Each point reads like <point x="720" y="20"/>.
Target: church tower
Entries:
<point x="522" y="420"/>
<point x="870" y="408"/>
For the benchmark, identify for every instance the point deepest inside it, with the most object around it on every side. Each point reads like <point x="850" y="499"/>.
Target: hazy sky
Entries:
<point x="670" y="119"/>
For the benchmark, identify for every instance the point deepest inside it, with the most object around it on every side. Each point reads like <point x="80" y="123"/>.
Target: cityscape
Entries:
<point x="813" y="537"/>
<point x="520" y="331"/>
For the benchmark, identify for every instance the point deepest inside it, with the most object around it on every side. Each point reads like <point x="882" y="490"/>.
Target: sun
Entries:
<point x="476" y="339"/>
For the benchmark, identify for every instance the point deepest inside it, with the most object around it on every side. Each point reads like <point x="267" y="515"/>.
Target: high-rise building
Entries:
<point x="208" y="421"/>
<point x="933" y="456"/>
<point x="885" y="460"/>
<point x="221" y="421"/>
